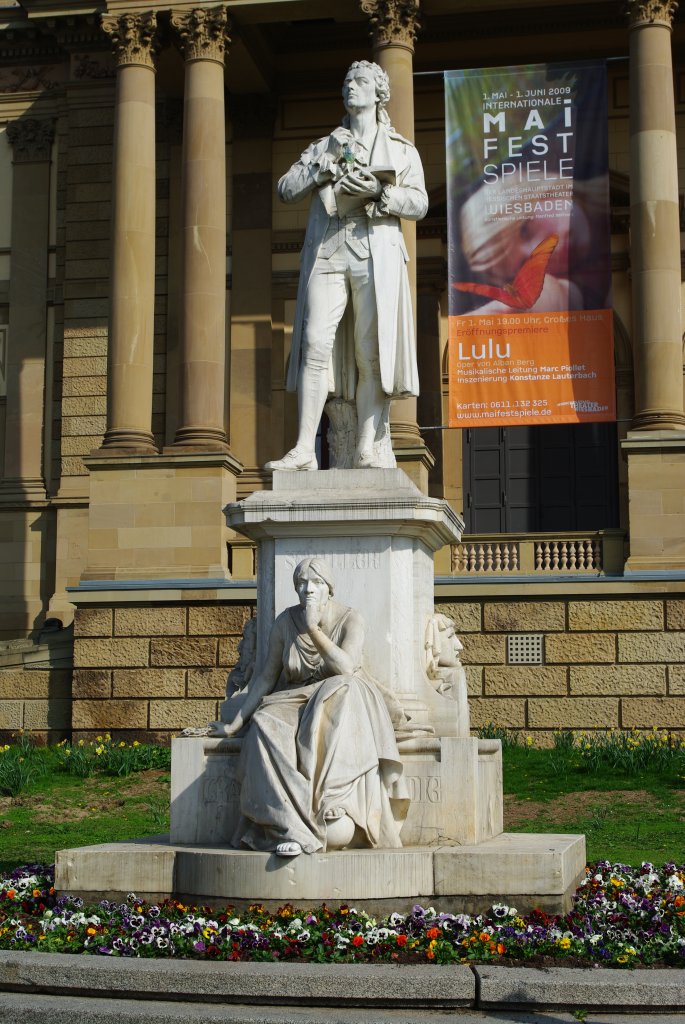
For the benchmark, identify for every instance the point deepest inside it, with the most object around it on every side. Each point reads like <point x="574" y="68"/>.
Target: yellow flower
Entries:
<point x="618" y="882"/>
<point x="564" y="943"/>
<point x="81" y="743"/>
<point x="622" y="959"/>
<point x="529" y="741"/>
<point x="136" y="743"/>
<point x="99" y="739"/>
<point x="122" y="744"/>
<point x="99" y="750"/>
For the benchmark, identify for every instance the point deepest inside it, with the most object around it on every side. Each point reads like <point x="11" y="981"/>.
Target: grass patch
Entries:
<point x="60" y="797"/>
<point x="626" y="793"/>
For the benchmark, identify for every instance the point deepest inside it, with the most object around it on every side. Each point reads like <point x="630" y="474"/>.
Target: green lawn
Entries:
<point x="628" y="814"/>
<point x="625" y="816"/>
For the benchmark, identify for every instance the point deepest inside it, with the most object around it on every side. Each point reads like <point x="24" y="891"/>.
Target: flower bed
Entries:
<point x="621" y="917"/>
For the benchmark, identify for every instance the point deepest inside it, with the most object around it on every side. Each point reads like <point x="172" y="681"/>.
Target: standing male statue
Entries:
<point x="353" y="333"/>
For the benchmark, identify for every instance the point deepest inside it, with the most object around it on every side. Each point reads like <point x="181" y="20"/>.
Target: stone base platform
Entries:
<point x="523" y="870"/>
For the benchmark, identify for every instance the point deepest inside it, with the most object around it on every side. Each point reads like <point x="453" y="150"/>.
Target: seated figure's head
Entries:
<point x="313" y="571"/>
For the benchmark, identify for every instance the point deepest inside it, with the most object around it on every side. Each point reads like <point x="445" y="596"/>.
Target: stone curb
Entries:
<point x="281" y="984"/>
<point x="593" y="988"/>
<point x="362" y="985"/>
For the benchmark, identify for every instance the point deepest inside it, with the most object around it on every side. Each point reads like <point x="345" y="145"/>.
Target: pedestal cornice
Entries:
<point x="343" y="502"/>
<point x="393" y="22"/>
<point x="651" y="12"/>
<point x="203" y="33"/>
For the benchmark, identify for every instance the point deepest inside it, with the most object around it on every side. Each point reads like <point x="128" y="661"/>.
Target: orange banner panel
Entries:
<point x="531" y="368"/>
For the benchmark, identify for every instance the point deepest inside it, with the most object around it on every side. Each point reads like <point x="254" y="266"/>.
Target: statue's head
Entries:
<point x="310" y="567"/>
<point x="367" y="69"/>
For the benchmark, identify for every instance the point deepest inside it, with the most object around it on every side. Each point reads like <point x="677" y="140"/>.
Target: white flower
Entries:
<point x="303" y="936"/>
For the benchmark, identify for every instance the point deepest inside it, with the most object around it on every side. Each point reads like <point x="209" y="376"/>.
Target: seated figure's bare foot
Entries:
<point x="339" y="828"/>
<point x="333" y="813"/>
<point x="219" y="729"/>
<point x="294" y="460"/>
<point x="288" y="850"/>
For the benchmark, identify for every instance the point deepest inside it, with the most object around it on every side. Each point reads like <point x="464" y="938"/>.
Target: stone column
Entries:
<point x="129" y="372"/>
<point x="654" y="220"/>
<point x="203" y="36"/>
<point x="252" y="117"/>
<point x="31" y="141"/>
<point x="394" y="26"/>
<point x="655" y="447"/>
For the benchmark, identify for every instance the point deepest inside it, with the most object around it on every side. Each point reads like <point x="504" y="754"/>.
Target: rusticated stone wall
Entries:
<point x="607" y="663"/>
<point x="145" y="672"/>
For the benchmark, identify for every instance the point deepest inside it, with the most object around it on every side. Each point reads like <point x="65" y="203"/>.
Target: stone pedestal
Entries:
<point x="656" y="486"/>
<point x="379" y="533"/>
<point x="157" y="517"/>
<point x="455" y="787"/>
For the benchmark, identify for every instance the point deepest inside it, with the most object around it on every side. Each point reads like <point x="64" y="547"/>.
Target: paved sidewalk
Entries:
<point x="48" y="1009"/>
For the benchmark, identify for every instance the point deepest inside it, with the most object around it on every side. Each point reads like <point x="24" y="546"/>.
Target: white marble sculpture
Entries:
<point x="353" y="334"/>
<point x="445" y="670"/>
<point x="319" y="763"/>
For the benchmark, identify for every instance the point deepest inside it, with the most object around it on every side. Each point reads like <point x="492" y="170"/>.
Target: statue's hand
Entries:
<point x="361" y="183"/>
<point x="312" y="615"/>
<point x="337" y="141"/>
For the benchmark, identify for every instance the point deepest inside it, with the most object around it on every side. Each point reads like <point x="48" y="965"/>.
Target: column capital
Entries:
<point x="202" y="32"/>
<point x="132" y="37"/>
<point x="393" y="22"/>
<point x="31" y="140"/>
<point x="651" y="12"/>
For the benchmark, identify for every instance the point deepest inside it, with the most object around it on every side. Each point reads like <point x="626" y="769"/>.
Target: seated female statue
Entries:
<point x="319" y="764"/>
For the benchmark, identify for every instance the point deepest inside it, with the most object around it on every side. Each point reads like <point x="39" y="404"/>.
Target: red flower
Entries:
<point x="358" y="940"/>
<point x="401" y="940"/>
<point x="432" y="933"/>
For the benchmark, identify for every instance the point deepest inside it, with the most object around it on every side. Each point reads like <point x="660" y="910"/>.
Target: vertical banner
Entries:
<point x="530" y="324"/>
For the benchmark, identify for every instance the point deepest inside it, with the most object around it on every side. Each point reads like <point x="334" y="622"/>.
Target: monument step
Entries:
<point x="522" y="869"/>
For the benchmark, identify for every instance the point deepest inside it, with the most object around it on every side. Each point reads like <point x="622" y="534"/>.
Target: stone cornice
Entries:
<point x="132" y="37"/>
<point x="202" y="32"/>
<point x="31" y="139"/>
<point x="651" y="12"/>
<point x="393" y="22"/>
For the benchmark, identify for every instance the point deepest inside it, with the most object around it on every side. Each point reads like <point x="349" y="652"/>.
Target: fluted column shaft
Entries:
<point x="129" y="396"/>
<point x="654" y="213"/>
<point x="202" y="416"/>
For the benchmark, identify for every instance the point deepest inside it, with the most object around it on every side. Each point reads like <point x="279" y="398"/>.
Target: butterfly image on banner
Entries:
<point x="524" y="291"/>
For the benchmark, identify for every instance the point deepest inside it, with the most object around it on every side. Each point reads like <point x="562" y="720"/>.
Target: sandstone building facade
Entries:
<point x="147" y="289"/>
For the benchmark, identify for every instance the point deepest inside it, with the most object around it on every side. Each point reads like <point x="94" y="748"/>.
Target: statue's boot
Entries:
<point x="294" y="460"/>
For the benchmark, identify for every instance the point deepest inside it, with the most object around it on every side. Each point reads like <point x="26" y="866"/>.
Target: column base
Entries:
<point x="22" y="491"/>
<point x="656" y="493"/>
<point x="658" y="421"/>
<point x="411" y="453"/>
<point x="200" y="439"/>
<point x="122" y="439"/>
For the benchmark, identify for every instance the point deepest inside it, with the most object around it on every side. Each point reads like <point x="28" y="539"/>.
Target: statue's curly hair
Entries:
<point x="382" y="90"/>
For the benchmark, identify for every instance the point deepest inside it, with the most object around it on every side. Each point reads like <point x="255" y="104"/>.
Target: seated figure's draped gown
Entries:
<point x="320" y="742"/>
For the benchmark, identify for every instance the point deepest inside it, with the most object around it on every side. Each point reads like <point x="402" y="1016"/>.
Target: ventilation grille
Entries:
<point x="525" y="649"/>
